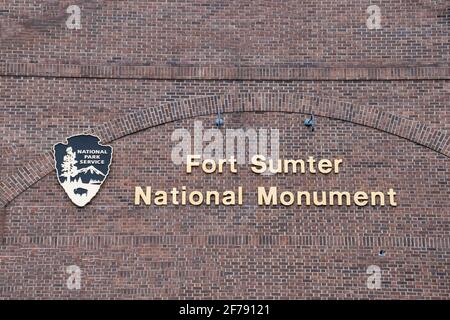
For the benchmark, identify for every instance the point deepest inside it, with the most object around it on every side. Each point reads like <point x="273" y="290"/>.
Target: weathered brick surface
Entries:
<point x="137" y="70"/>
<point x="235" y="32"/>
<point x="136" y="252"/>
<point x="225" y="73"/>
<point x="49" y="104"/>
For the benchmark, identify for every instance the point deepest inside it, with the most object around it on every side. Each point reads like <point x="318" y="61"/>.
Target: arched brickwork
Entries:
<point x="436" y="140"/>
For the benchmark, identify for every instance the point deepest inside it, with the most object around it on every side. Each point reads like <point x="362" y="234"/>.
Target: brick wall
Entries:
<point x="242" y="33"/>
<point x="137" y="70"/>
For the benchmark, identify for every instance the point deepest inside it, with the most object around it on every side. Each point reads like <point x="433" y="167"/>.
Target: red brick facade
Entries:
<point x="137" y="70"/>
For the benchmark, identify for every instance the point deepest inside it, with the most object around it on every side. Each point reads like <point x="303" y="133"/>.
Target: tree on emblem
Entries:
<point x="69" y="168"/>
<point x="81" y="167"/>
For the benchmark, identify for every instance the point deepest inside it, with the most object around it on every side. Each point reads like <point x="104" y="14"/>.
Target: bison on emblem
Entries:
<point x="82" y="165"/>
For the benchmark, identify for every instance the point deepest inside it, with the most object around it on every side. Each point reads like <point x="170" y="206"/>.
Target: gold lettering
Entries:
<point x="361" y="198"/>
<point x="316" y="202"/>
<point x="191" y="163"/>
<point x="340" y="195"/>
<point x="337" y="162"/>
<point x="267" y="199"/>
<point x="304" y="194"/>
<point x="294" y="164"/>
<point x="161" y="198"/>
<point x="259" y="164"/>
<point x="229" y="198"/>
<point x="192" y="197"/>
<point x="283" y="200"/>
<point x="325" y="166"/>
<point x="209" y="195"/>
<point x="391" y="193"/>
<point x="139" y="194"/>
<point x="373" y="200"/>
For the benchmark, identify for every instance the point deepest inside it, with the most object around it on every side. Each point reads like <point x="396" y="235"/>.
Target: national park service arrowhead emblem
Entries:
<point x="82" y="166"/>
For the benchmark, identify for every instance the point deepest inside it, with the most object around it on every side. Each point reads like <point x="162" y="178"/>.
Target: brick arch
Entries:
<point x="436" y="140"/>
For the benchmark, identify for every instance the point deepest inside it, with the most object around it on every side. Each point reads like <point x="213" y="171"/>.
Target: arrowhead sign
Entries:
<point x="82" y="165"/>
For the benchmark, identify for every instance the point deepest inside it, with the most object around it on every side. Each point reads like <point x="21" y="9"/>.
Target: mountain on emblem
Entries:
<point x="82" y="165"/>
